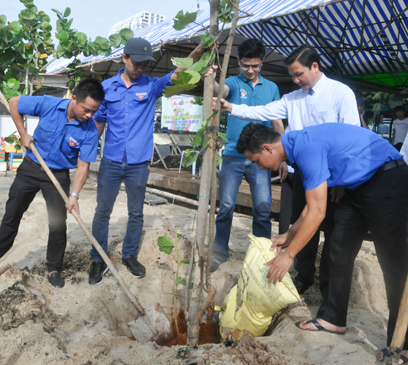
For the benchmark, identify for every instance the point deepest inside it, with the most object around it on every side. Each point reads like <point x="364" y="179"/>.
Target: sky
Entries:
<point x="95" y="17"/>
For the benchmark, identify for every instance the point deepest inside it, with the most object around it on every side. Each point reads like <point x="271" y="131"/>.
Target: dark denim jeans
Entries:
<point x="111" y="175"/>
<point x="230" y="178"/>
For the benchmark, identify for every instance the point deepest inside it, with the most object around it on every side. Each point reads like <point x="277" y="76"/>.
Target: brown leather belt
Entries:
<point x="36" y="164"/>
<point x="29" y="159"/>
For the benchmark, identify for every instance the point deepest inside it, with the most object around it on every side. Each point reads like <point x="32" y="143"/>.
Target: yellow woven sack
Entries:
<point x="250" y="305"/>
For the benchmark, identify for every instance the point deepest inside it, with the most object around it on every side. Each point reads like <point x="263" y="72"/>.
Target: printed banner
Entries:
<point x="179" y="114"/>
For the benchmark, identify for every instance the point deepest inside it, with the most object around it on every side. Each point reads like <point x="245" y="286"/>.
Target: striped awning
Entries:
<point x="358" y="38"/>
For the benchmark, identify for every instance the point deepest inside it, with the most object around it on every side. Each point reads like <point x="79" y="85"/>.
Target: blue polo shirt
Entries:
<point x="344" y="155"/>
<point x="129" y="113"/>
<point x="58" y="141"/>
<point x="241" y="91"/>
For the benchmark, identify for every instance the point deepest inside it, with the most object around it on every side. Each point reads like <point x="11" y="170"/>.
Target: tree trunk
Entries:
<point x="193" y="321"/>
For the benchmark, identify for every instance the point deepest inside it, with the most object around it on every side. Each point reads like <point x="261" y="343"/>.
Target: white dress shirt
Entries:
<point x="329" y="102"/>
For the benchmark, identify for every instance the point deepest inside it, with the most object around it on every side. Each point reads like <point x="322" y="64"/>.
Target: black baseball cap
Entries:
<point x="139" y="50"/>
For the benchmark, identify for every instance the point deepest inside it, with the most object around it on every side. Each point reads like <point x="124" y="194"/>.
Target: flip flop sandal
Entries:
<point x="387" y="354"/>
<point x="404" y="359"/>
<point x="319" y="327"/>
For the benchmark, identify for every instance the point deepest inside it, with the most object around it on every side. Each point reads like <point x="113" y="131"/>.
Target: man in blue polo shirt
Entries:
<point x="128" y="111"/>
<point x="65" y="131"/>
<point x="376" y="198"/>
<point x="248" y="88"/>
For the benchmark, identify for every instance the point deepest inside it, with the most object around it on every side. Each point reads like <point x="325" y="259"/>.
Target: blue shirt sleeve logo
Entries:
<point x="72" y="142"/>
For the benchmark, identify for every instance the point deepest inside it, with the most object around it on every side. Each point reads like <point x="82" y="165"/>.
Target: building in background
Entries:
<point x="138" y="21"/>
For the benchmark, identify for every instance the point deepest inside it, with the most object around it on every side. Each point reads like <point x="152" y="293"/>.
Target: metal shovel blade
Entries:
<point x="153" y="326"/>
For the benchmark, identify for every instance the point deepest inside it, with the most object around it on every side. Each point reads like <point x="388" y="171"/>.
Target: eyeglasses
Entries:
<point x="254" y="67"/>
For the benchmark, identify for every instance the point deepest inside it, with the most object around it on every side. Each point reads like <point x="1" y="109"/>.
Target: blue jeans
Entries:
<point x="230" y="178"/>
<point x="111" y="175"/>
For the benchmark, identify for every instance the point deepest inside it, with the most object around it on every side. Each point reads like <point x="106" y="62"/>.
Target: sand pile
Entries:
<point x="83" y="324"/>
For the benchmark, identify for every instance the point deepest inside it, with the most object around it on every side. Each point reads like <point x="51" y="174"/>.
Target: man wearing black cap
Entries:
<point x="128" y="109"/>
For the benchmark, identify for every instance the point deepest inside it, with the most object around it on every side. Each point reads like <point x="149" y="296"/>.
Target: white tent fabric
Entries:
<point x="353" y="37"/>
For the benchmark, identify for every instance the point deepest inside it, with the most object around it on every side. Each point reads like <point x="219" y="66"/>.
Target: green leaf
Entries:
<point x="208" y="40"/>
<point x="185" y="261"/>
<point x="181" y="281"/>
<point x="3" y="20"/>
<point x="219" y="160"/>
<point x="182" y="62"/>
<point x="115" y="40"/>
<point x="183" y="78"/>
<point x="69" y="23"/>
<point x="33" y="8"/>
<point x="45" y="18"/>
<point x="227" y="11"/>
<point x="6" y="34"/>
<point x="71" y="84"/>
<point x="102" y="43"/>
<point x="182" y="20"/>
<point x="205" y="143"/>
<point x="63" y="35"/>
<point x="67" y="12"/>
<point x="7" y="57"/>
<point x="46" y="26"/>
<point x="198" y="100"/>
<point x="56" y="11"/>
<point x="223" y="136"/>
<point x="27" y="14"/>
<point x="189" y="158"/>
<point x="13" y="83"/>
<point x="198" y="137"/>
<point x="27" y="3"/>
<point x="177" y="89"/>
<point x="165" y="244"/>
<point x="126" y="34"/>
<point x="195" y="76"/>
<point x="205" y="60"/>
<point x="81" y="38"/>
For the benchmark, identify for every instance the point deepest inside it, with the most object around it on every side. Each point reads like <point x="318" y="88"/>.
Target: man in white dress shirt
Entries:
<point x="319" y="100"/>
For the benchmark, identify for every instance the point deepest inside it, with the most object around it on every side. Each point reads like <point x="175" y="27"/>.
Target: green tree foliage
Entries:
<point x="26" y="46"/>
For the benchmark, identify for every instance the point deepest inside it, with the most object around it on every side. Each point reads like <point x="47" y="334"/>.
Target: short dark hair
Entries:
<point x="89" y="87"/>
<point x="400" y="108"/>
<point x="253" y="136"/>
<point x="305" y="55"/>
<point x="251" y="48"/>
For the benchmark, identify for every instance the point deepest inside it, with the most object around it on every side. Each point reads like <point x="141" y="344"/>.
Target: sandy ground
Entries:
<point x="83" y="324"/>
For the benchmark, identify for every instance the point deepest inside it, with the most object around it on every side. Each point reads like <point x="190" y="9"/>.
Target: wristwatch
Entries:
<point x="74" y="194"/>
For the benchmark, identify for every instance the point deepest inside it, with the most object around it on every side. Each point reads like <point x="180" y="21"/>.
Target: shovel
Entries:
<point x="152" y="324"/>
<point x="401" y="326"/>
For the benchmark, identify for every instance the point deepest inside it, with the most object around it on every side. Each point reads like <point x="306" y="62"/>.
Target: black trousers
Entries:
<point x="381" y="206"/>
<point x="285" y="213"/>
<point x="305" y="260"/>
<point x="29" y="180"/>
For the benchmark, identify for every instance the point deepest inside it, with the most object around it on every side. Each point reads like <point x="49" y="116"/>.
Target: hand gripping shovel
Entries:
<point x="151" y="325"/>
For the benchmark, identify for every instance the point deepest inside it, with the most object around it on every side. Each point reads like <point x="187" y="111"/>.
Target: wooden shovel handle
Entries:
<point x="402" y="320"/>
<point x="95" y="243"/>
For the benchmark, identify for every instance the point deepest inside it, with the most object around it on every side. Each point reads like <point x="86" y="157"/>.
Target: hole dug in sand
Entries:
<point x="208" y="331"/>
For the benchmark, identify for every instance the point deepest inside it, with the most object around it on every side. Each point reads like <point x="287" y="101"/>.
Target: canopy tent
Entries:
<point x="362" y="42"/>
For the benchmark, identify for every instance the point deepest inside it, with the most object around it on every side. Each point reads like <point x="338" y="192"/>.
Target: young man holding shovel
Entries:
<point x="375" y="178"/>
<point x="65" y="130"/>
<point x="128" y="110"/>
